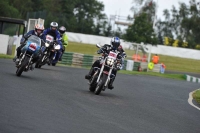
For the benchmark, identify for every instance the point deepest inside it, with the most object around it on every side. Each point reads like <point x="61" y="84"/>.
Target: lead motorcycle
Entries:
<point x="102" y="76"/>
<point x="31" y="49"/>
<point x="45" y="56"/>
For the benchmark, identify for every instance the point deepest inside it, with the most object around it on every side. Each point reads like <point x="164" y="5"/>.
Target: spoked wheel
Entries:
<point x="37" y="64"/>
<point x="101" y="84"/>
<point x="93" y="83"/>
<point x="23" y="66"/>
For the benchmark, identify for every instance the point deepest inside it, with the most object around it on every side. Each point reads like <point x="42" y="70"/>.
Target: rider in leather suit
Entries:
<point x="115" y="43"/>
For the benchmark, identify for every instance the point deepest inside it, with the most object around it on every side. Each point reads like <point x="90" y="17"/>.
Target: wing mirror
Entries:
<point x="98" y="46"/>
<point x="27" y="36"/>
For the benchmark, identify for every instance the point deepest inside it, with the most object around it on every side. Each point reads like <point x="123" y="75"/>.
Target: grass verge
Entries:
<point x="196" y="96"/>
<point x="6" y="56"/>
<point x="171" y="76"/>
<point x="172" y="63"/>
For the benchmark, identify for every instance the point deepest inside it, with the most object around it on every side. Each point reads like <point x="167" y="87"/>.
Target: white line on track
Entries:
<point x="190" y="100"/>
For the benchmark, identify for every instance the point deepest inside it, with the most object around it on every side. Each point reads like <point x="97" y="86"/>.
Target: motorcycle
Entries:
<point x="53" y="59"/>
<point x="44" y="58"/>
<point x="31" y="49"/>
<point x="102" y="76"/>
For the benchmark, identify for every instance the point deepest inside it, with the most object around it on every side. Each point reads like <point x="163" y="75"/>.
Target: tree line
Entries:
<point x="180" y="27"/>
<point x="76" y="15"/>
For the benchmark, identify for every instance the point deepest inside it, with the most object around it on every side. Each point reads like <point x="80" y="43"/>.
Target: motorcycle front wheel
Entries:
<point x="101" y="84"/>
<point x="93" y="83"/>
<point x="23" y="66"/>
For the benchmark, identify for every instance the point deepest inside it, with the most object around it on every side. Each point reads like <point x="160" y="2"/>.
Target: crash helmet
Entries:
<point x="39" y="28"/>
<point x="62" y="30"/>
<point x="53" y="25"/>
<point x="115" y="42"/>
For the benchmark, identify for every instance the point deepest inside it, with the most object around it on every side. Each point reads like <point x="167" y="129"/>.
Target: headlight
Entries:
<point x="57" y="47"/>
<point x="110" y="61"/>
<point x="46" y="44"/>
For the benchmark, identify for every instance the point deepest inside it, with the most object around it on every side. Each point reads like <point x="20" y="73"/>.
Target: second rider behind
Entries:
<point x="54" y="32"/>
<point x="115" y="43"/>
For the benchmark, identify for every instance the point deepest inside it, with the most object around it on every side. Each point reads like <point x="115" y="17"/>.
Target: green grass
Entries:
<point x="196" y="96"/>
<point x="6" y="56"/>
<point x="172" y="63"/>
<point x="171" y="76"/>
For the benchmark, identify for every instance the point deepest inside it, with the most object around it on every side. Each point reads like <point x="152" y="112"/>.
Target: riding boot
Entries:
<point x="110" y="84"/>
<point x="89" y="75"/>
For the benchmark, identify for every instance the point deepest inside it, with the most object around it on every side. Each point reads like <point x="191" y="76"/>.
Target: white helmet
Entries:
<point x="62" y="30"/>
<point x="54" y="24"/>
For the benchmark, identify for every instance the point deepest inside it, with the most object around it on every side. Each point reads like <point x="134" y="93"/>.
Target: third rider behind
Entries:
<point x="64" y="39"/>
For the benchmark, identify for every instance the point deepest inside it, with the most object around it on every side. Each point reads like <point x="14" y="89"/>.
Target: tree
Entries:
<point x="182" y="24"/>
<point x="22" y="6"/>
<point x="141" y="31"/>
<point x="107" y="29"/>
<point x="6" y="10"/>
<point x="81" y="15"/>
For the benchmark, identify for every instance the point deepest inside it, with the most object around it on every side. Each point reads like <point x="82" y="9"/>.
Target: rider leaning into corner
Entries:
<point x="54" y="32"/>
<point x="64" y="40"/>
<point x="38" y="31"/>
<point x="114" y="45"/>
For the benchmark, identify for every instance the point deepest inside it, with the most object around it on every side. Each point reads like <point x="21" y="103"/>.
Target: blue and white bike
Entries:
<point x="29" y="51"/>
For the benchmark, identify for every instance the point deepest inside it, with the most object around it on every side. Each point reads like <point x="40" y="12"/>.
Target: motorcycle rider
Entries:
<point x="54" y="32"/>
<point x="38" y="31"/>
<point x="64" y="39"/>
<point x="115" y="43"/>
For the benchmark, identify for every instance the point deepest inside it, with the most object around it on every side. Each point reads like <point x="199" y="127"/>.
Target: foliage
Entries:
<point x="182" y="24"/>
<point x="141" y="30"/>
<point x="8" y="10"/>
<point x="76" y="15"/>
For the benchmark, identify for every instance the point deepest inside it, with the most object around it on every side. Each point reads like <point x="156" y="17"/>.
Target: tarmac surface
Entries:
<point x="57" y="100"/>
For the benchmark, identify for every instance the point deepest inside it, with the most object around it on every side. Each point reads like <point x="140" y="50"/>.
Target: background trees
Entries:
<point x="77" y="15"/>
<point x="142" y="28"/>
<point x="180" y="26"/>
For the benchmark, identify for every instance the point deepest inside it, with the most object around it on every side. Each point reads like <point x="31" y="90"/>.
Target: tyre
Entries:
<point x="37" y="64"/>
<point x="101" y="84"/>
<point x="93" y="83"/>
<point x="23" y="65"/>
<point x="53" y="64"/>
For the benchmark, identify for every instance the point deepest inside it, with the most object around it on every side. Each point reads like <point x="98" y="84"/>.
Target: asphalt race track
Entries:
<point x="57" y="100"/>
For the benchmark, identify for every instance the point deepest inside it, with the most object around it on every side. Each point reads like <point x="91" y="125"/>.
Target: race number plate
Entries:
<point x="112" y="55"/>
<point x="49" y="38"/>
<point x="33" y="46"/>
